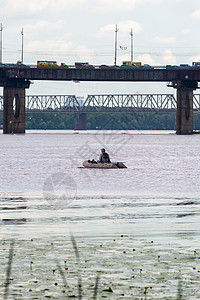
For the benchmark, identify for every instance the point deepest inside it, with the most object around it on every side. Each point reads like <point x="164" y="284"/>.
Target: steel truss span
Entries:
<point x="103" y="103"/>
<point x="129" y="102"/>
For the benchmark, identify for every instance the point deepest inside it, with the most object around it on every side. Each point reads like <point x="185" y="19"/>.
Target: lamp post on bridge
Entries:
<point x="131" y="34"/>
<point x="22" y="54"/>
<point x="115" y="60"/>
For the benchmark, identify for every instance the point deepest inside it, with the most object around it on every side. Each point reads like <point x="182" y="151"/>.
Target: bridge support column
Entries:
<point x="13" y="110"/>
<point x="184" y="112"/>
<point x="81" y="123"/>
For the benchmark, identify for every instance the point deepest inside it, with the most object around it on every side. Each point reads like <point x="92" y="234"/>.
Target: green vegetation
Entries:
<point x="112" y="121"/>
<point x="136" y="121"/>
<point x="50" y="121"/>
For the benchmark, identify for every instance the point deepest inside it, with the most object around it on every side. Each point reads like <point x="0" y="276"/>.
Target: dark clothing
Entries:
<point x="104" y="158"/>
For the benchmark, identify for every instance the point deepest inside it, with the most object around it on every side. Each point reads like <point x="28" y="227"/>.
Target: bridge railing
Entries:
<point x="101" y="103"/>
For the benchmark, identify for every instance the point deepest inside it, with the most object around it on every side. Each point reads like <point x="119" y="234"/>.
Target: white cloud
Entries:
<point x="186" y="31"/>
<point x="163" y="40"/>
<point x="58" y="50"/>
<point x="195" y="58"/>
<point x="146" y="59"/>
<point x="169" y="57"/>
<point x="48" y="49"/>
<point x="107" y="6"/>
<point x="36" y="7"/>
<point x="45" y="26"/>
<point x="195" y="14"/>
<point x="42" y="29"/>
<point x="123" y="26"/>
<point x="85" y="53"/>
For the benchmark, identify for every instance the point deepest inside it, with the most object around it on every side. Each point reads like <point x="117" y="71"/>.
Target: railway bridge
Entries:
<point x="16" y="78"/>
<point x="112" y="103"/>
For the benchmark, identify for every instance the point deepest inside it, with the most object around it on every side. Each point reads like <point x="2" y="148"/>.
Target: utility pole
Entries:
<point x="22" y="57"/>
<point x="131" y="33"/>
<point x="1" y="44"/>
<point x="115" y="60"/>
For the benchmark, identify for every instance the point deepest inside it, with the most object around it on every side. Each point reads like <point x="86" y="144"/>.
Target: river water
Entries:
<point x="134" y="231"/>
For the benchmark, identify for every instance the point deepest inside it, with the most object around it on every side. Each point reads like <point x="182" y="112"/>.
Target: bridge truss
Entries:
<point x="128" y="102"/>
<point x="55" y="103"/>
<point x="103" y="103"/>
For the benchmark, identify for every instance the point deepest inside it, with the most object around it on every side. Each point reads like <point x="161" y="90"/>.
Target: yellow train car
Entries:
<point x="137" y="63"/>
<point x="126" y="63"/>
<point x="46" y="63"/>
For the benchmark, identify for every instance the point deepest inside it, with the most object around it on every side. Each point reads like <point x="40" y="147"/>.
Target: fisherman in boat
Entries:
<point x="104" y="157"/>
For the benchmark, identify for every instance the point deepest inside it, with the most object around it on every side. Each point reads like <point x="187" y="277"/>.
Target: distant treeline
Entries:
<point x="113" y="121"/>
<point x="106" y="121"/>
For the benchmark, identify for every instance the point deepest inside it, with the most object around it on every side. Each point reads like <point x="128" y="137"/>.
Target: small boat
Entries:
<point x="112" y="165"/>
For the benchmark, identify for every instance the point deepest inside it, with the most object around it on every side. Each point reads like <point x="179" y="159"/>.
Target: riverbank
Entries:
<point x="124" y="266"/>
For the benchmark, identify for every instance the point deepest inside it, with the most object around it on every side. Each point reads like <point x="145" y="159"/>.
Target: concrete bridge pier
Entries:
<point x="184" y="111"/>
<point x="14" y="110"/>
<point x="14" y="107"/>
<point x="81" y="122"/>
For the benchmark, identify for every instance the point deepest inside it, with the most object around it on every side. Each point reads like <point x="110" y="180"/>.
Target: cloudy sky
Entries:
<point x="165" y="32"/>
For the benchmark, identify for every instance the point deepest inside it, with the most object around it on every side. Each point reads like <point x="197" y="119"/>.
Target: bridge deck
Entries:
<point x="158" y="74"/>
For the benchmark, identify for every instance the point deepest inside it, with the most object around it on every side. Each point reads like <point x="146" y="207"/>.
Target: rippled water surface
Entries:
<point x="136" y="230"/>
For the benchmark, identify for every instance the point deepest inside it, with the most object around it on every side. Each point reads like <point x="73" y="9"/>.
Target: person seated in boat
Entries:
<point x="104" y="157"/>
